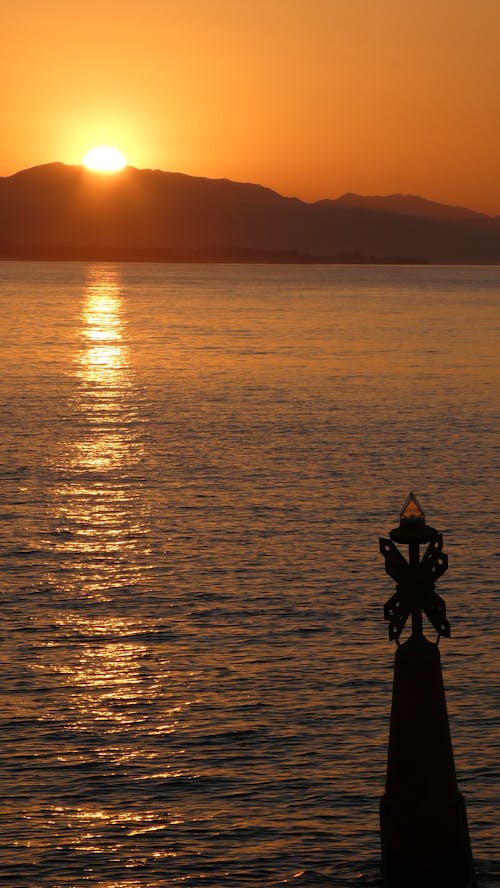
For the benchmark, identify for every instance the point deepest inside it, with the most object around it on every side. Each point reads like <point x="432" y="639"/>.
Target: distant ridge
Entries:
<point x="64" y="211"/>
<point x="409" y="205"/>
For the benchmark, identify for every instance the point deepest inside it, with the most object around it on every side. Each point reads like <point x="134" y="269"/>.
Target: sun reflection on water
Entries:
<point x="103" y="368"/>
<point x="111" y="662"/>
<point x="99" y="519"/>
<point x="102" y="535"/>
<point x="104" y="358"/>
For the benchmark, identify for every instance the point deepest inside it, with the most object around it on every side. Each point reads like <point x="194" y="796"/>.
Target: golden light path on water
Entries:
<point x="101" y="521"/>
<point x="96" y="497"/>
<point x="102" y="367"/>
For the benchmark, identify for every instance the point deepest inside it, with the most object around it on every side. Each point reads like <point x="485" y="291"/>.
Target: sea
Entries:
<point x="196" y="464"/>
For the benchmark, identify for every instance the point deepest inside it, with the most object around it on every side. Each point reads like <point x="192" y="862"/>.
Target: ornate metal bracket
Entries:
<point x="415" y="578"/>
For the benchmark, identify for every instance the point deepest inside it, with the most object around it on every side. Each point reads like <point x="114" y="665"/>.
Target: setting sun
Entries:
<point x="104" y="159"/>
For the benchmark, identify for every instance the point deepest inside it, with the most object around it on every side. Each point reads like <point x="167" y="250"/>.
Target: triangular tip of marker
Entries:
<point x="412" y="510"/>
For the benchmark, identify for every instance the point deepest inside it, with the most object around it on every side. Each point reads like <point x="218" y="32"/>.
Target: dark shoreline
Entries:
<point x="233" y="256"/>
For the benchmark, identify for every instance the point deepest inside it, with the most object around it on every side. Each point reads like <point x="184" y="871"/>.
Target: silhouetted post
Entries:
<point x="425" y="839"/>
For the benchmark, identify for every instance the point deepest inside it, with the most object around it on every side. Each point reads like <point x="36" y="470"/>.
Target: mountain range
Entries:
<point x="62" y="211"/>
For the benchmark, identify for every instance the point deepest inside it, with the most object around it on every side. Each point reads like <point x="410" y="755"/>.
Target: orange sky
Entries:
<point x="310" y="97"/>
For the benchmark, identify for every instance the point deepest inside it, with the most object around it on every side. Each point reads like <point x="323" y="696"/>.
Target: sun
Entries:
<point x="104" y="159"/>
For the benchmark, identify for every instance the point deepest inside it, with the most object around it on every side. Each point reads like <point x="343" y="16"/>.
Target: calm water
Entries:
<point x="196" y="464"/>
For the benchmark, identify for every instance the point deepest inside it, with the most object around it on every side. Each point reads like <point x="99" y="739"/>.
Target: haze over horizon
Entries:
<point x="311" y="101"/>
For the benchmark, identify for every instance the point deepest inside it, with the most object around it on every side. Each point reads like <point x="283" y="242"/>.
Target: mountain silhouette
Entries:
<point x="65" y="211"/>
<point x="409" y="205"/>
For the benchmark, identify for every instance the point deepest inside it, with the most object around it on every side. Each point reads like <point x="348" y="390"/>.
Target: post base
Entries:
<point x="425" y="839"/>
<point x="422" y="848"/>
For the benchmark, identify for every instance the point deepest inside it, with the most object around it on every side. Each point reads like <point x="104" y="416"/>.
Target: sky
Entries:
<point x="312" y="98"/>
